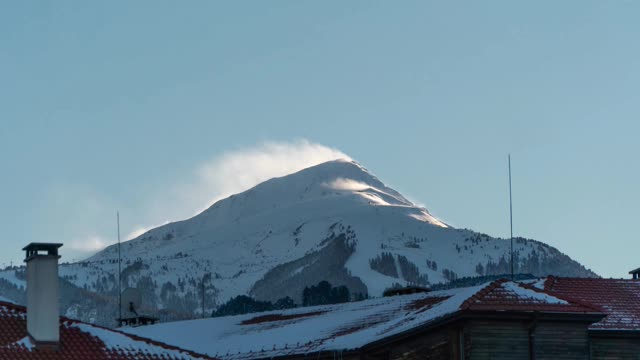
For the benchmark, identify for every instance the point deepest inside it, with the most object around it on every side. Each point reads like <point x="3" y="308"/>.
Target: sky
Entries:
<point x="157" y="108"/>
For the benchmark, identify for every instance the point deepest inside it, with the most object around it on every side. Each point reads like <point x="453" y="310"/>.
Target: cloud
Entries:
<point x="140" y="229"/>
<point x="137" y="231"/>
<point x="89" y="244"/>
<point x="75" y="214"/>
<point x="237" y="171"/>
<point x="348" y="184"/>
<point x="85" y="219"/>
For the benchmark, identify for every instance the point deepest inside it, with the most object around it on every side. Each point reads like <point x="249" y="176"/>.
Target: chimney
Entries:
<point x="43" y="323"/>
<point x="635" y="274"/>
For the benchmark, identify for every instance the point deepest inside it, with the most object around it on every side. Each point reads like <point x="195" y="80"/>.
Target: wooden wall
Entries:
<point x="510" y="340"/>
<point x="431" y="346"/>
<point x="615" y="348"/>
<point x="561" y="341"/>
<point x="483" y="339"/>
<point x="497" y="340"/>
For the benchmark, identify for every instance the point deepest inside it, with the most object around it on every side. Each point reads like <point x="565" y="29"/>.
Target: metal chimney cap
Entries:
<point x="42" y="246"/>
<point x="33" y="248"/>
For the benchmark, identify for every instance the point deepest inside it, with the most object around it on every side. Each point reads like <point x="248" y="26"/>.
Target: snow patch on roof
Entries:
<point x="22" y="344"/>
<point x="114" y="340"/>
<point x="539" y="283"/>
<point x="26" y="342"/>
<point x="532" y="294"/>
<point x="4" y="299"/>
<point x="306" y="330"/>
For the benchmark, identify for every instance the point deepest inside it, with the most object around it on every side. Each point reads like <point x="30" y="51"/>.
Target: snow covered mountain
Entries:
<point x="334" y="221"/>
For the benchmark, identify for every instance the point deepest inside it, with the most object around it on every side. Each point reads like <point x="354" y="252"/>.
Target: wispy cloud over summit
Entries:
<point x="189" y="194"/>
<point x="237" y="171"/>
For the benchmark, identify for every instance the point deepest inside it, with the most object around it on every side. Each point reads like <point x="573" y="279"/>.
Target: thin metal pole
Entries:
<point x="203" y="297"/>
<point x="511" y="217"/>
<point x="119" y="273"/>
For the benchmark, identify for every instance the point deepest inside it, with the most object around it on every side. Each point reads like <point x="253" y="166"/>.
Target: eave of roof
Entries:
<point x="467" y="312"/>
<point x="614" y="333"/>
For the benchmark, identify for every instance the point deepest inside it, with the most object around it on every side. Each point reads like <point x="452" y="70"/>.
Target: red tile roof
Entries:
<point x="619" y="299"/>
<point x="79" y="341"/>
<point x="306" y="330"/>
<point x="504" y="295"/>
<point x="351" y="325"/>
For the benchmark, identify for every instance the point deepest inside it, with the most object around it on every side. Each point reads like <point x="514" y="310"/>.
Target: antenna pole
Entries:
<point x="203" y="297"/>
<point x="511" y="217"/>
<point x="119" y="272"/>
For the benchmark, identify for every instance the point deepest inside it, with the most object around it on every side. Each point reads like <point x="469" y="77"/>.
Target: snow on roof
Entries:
<point x="532" y="294"/>
<point x="303" y="330"/>
<point x="538" y="283"/>
<point x="617" y="298"/>
<point x="117" y="341"/>
<point x="80" y="340"/>
<point x="344" y="326"/>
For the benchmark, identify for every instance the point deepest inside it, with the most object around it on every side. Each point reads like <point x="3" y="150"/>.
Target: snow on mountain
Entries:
<point x="334" y="221"/>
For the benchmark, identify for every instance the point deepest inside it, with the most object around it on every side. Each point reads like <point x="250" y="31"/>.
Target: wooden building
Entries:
<point x="498" y="320"/>
<point x="617" y="335"/>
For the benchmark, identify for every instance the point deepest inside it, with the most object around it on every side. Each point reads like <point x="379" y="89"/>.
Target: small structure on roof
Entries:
<point x="406" y="290"/>
<point x="635" y="274"/>
<point x="130" y="306"/>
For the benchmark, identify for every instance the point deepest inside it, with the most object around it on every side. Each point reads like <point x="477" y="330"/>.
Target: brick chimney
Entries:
<point x="43" y="322"/>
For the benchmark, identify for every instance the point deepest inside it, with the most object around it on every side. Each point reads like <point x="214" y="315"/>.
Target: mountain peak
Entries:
<point x="337" y="183"/>
<point x="334" y="221"/>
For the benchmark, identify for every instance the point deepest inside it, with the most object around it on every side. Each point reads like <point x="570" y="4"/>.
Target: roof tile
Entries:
<point x="504" y="295"/>
<point x="617" y="298"/>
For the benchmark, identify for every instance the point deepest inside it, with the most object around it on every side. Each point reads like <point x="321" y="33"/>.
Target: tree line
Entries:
<point x="321" y="294"/>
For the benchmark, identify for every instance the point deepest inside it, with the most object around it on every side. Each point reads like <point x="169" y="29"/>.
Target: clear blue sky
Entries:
<point x="105" y="104"/>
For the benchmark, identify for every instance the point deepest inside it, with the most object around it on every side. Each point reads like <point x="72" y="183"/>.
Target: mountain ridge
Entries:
<point x="334" y="221"/>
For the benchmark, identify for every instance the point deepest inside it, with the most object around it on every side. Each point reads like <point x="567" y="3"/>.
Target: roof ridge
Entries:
<point x="14" y="306"/>
<point x="478" y="295"/>
<point x="531" y="287"/>
<point x="549" y="283"/>
<point x="555" y="277"/>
